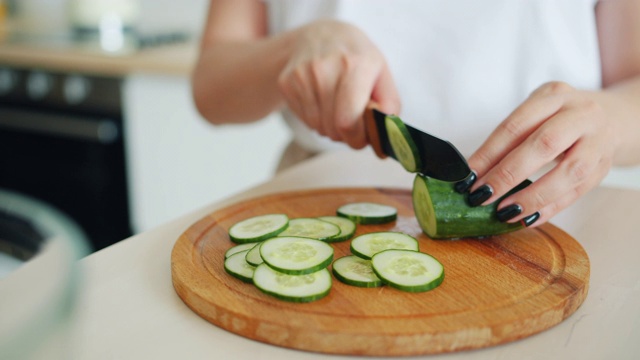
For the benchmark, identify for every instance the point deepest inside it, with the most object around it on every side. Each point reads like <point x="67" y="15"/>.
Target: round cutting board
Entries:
<point x="495" y="290"/>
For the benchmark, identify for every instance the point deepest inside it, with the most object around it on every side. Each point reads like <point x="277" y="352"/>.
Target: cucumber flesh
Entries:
<point x="408" y="270"/>
<point x="258" y="228"/>
<point x="311" y="228"/>
<point x="444" y="213"/>
<point x="368" y="213"/>
<point x="296" y="288"/>
<point x="347" y="227"/>
<point x="237" y="266"/>
<point x="238" y="248"/>
<point x="402" y="143"/>
<point x="253" y="255"/>
<point x="355" y="271"/>
<point x="296" y="255"/>
<point x="367" y="245"/>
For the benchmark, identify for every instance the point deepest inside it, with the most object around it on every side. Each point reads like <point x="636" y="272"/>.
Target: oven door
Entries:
<point x="76" y="163"/>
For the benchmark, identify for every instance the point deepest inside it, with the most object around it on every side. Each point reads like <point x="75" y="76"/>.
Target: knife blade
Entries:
<point x="439" y="158"/>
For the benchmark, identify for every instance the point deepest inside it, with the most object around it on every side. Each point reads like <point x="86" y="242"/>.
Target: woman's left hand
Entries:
<point x="556" y="123"/>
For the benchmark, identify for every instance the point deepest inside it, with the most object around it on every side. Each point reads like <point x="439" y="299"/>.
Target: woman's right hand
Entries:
<point x="332" y="73"/>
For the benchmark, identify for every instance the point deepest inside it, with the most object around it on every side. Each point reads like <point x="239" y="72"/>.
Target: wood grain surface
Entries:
<point x="495" y="290"/>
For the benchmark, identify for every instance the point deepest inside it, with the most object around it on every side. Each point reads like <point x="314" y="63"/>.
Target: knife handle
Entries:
<point x="373" y="136"/>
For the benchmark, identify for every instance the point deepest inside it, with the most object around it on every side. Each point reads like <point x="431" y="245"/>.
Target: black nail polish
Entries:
<point x="529" y="220"/>
<point x="481" y="195"/>
<point x="508" y="212"/>
<point x="463" y="185"/>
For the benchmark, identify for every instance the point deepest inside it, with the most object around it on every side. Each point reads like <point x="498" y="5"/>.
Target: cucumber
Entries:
<point x="368" y="213"/>
<point x="238" y="248"/>
<point x="367" y="245"/>
<point x="355" y="271"/>
<point x="408" y="270"/>
<point x="258" y="228"/>
<point x="402" y="143"/>
<point x="296" y="255"/>
<point x="347" y="227"/>
<point x="237" y="266"/>
<point x="296" y="288"/>
<point x="311" y="228"/>
<point x="253" y="255"/>
<point x="444" y="213"/>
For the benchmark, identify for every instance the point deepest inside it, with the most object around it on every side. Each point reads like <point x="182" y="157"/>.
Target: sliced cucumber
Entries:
<point x="258" y="228"/>
<point x="347" y="227"/>
<point x="237" y="266"/>
<point x="296" y="288"/>
<point x="367" y="245"/>
<point x="402" y="143"/>
<point x="408" y="270"/>
<point x="311" y="228"/>
<point x="368" y="213"/>
<point x="444" y="213"/>
<point x="253" y="255"/>
<point x="296" y="255"/>
<point x="239" y="248"/>
<point x="355" y="271"/>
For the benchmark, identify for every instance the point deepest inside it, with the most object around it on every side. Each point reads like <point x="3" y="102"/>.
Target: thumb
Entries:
<point x="385" y="93"/>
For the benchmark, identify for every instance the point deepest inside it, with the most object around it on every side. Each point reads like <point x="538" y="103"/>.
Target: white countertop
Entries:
<point x="128" y="308"/>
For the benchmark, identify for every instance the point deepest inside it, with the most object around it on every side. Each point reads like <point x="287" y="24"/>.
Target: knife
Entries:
<point x="439" y="159"/>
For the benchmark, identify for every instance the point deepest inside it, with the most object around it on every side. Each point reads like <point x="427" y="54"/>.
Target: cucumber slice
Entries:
<point x="444" y="213"/>
<point x="311" y="228"/>
<point x="258" y="228"/>
<point x="402" y="143"/>
<point x="368" y="213"/>
<point x="237" y="266"/>
<point x="347" y="227"/>
<point x="253" y="255"/>
<point x="408" y="270"/>
<point x="367" y="245"/>
<point x="296" y="288"/>
<point x="238" y="248"/>
<point x="355" y="271"/>
<point x="296" y="255"/>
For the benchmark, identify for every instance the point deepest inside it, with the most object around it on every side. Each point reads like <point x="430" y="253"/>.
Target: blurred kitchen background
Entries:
<point x="97" y="120"/>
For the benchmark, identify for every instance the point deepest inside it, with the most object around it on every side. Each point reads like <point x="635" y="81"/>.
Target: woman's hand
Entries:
<point x="556" y="123"/>
<point x="332" y="73"/>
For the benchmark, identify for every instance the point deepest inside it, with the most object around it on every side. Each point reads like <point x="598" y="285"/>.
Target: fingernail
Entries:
<point x="481" y="195"/>
<point x="463" y="185"/>
<point x="508" y="212"/>
<point x="529" y="220"/>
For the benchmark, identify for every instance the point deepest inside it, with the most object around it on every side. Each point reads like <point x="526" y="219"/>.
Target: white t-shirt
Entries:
<point x="461" y="66"/>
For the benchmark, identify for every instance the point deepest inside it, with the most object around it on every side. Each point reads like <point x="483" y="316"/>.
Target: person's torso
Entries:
<point x="461" y="66"/>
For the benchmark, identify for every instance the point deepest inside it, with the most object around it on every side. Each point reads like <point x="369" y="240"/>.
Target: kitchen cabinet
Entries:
<point x="175" y="160"/>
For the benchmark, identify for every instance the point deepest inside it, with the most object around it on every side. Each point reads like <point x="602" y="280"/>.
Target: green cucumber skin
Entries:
<point x="361" y="284"/>
<point x="456" y="219"/>
<point x="413" y="289"/>
<point x="369" y="220"/>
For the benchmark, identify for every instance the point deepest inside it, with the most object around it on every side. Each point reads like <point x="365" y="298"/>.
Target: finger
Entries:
<point x="582" y="169"/>
<point x="305" y="87"/>
<point x="551" y="139"/>
<point x="299" y="94"/>
<point x="385" y="92"/>
<point x="325" y="76"/>
<point x="351" y="97"/>
<point x="524" y="120"/>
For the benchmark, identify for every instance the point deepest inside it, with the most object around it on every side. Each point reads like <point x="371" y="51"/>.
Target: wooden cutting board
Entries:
<point x="495" y="290"/>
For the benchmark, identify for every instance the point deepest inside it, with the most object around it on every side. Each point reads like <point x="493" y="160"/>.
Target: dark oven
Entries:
<point x="62" y="142"/>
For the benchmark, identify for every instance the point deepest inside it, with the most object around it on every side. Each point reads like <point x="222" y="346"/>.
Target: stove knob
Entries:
<point x="76" y="89"/>
<point x="39" y="85"/>
<point x="8" y="81"/>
